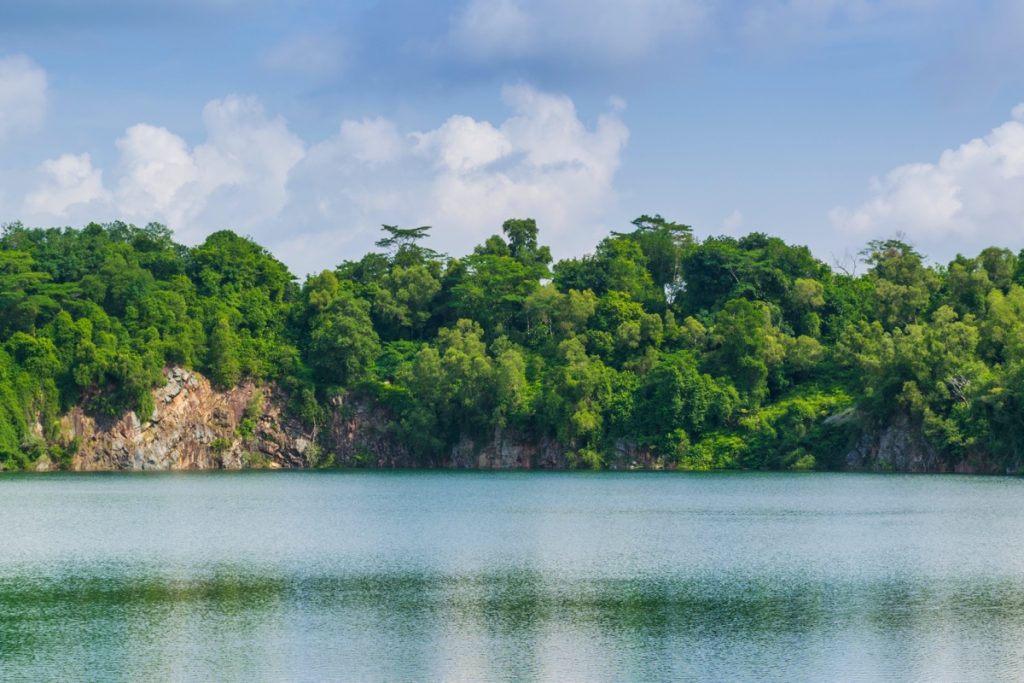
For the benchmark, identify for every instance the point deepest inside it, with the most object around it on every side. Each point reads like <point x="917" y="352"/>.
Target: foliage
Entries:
<point x="702" y="354"/>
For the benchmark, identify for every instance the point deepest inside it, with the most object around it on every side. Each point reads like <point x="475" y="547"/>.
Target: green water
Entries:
<point x="444" y="576"/>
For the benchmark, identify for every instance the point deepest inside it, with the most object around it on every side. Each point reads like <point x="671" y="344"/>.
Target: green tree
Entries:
<point x="676" y="403"/>
<point x="903" y="284"/>
<point x="745" y="347"/>
<point x="342" y="342"/>
<point x="223" y="358"/>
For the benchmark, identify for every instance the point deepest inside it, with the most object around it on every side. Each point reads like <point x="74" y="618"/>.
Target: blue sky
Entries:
<point x="307" y="124"/>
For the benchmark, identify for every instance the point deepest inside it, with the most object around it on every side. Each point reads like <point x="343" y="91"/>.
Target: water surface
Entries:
<point x="309" y="576"/>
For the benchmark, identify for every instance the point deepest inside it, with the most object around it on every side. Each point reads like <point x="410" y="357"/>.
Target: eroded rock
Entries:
<point x="194" y="426"/>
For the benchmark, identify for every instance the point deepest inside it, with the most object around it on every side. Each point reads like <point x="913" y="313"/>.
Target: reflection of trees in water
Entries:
<point x="513" y="624"/>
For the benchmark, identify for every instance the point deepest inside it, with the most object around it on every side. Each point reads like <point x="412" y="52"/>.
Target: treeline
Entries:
<point x="704" y="354"/>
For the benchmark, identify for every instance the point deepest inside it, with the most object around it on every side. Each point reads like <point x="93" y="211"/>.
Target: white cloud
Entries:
<point x="71" y="181"/>
<point x="373" y="141"/>
<point x="464" y="177"/>
<point x="464" y="144"/>
<point x="244" y="164"/>
<point x="317" y="205"/>
<point x="236" y="178"/>
<point x="22" y="95"/>
<point x="156" y="165"/>
<point x="542" y="162"/>
<point x="608" y="31"/>
<point x="973" y="196"/>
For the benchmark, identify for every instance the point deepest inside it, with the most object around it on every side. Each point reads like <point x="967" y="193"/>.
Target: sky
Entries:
<point x="307" y="124"/>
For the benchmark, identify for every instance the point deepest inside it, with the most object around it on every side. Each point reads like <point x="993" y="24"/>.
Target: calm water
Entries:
<point x="503" y="576"/>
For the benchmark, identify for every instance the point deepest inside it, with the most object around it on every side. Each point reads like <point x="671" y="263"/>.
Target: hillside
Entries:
<point x="656" y="350"/>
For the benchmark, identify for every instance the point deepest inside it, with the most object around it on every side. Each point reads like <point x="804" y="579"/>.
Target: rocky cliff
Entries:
<point x="197" y="427"/>
<point x="194" y="426"/>
<point x="901" y="446"/>
<point x="896" y="447"/>
<point x="359" y="435"/>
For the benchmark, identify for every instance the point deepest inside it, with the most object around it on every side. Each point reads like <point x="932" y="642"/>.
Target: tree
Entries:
<point x="421" y="421"/>
<point x="725" y="352"/>
<point x="342" y="342"/>
<point x="522" y="244"/>
<point x="577" y="395"/>
<point x="403" y="245"/>
<point x="22" y="300"/>
<point x="223" y="362"/>
<point x="490" y="289"/>
<point x="664" y="245"/>
<point x="903" y="285"/>
<point x="512" y="391"/>
<point x="746" y="347"/>
<point x="676" y="403"/>
<point x="402" y="304"/>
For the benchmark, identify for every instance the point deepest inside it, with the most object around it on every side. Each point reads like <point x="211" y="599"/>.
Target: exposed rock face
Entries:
<point x="193" y="426"/>
<point x="630" y="456"/>
<point x="900" y="446"/>
<point x="196" y="426"/>
<point x="508" y="451"/>
<point x="360" y="436"/>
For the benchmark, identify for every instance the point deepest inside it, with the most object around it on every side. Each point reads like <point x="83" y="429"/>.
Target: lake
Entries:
<point x="473" y="576"/>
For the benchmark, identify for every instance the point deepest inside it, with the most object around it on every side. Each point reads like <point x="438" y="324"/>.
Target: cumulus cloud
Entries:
<point x="463" y="144"/>
<point x="22" y="95"/>
<point x="971" y="197"/>
<point x="157" y="165"/>
<point x="236" y="178"/>
<point x="543" y="161"/>
<point x="71" y="180"/>
<point x="371" y="141"/>
<point x="317" y="204"/>
<point x="243" y="166"/>
<point x="464" y="177"/>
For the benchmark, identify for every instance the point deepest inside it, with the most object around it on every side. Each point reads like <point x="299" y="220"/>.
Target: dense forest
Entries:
<point x="713" y="353"/>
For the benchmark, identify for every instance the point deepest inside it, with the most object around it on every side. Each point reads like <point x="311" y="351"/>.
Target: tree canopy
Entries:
<point x="721" y="352"/>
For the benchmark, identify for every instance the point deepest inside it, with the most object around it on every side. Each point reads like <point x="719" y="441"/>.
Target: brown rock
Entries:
<point x="195" y="426"/>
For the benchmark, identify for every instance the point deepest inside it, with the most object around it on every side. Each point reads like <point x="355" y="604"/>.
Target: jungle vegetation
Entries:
<point x="716" y="353"/>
